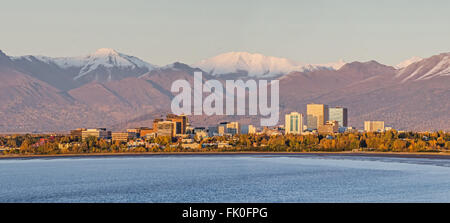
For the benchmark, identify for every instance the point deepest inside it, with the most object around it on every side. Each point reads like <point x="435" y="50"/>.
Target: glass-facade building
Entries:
<point x="338" y="114"/>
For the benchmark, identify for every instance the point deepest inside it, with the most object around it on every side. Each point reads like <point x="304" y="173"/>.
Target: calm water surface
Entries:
<point x="225" y="178"/>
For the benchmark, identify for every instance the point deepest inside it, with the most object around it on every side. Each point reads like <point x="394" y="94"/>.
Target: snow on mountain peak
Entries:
<point x="434" y="66"/>
<point x="110" y="58"/>
<point x="103" y="57"/>
<point x="335" y="66"/>
<point x="105" y="52"/>
<point x="256" y="65"/>
<point x="408" y="62"/>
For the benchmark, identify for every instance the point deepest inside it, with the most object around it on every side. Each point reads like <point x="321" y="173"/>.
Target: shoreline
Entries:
<point x="147" y="154"/>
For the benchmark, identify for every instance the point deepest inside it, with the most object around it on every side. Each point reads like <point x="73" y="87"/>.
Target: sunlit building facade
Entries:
<point x="293" y="123"/>
<point x="374" y="126"/>
<point x="317" y="115"/>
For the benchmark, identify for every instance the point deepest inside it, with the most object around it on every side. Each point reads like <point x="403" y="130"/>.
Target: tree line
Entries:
<point x="390" y="141"/>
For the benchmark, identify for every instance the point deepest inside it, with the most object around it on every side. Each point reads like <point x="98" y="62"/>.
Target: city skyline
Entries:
<point x="236" y="103"/>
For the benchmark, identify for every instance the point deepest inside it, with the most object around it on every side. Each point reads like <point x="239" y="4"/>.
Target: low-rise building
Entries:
<point x="213" y="131"/>
<point x="136" y="143"/>
<point x="201" y="133"/>
<point x="274" y="131"/>
<point x="122" y="136"/>
<point x="223" y="145"/>
<point x="233" y="128"/>
<point x="151" y="145"/>
<point x="251" y="129"/>
<point x="222" y="128"/>
<point x="77" y="132"/>
<point x="192" y="145"/>
<point x="135" y="132"/>
<point x="166" y="128"/>
<point x="155" y="124"/>
<point x="348" y="129"/>
<point x="149" y="135"/>
<point x="146" y="131"/>
<point x="99" y="133"/>
<point x="374" y="126"/>
<point x="229" y="128"/>
<point x="329" y="127"/>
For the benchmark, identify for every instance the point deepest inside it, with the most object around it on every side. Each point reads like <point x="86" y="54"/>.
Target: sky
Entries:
<point x="164" y="31"/>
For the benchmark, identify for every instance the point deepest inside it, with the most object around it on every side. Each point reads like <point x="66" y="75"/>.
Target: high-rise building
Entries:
<point x="293" y="123"/>
<point x="180" y="122"/>
<point x="338" y="114"/>
<point x="166" y="128"/>
<point x="374" y="126"/>
<point x="317" y="115"/>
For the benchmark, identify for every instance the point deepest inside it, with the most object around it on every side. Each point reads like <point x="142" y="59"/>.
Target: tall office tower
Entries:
<point x="374" y="126"/>
<point x="293" y="123"/>
<point x="338" y="114"/>
<point x="180" y="122"/>
<point x="317" y="115"/>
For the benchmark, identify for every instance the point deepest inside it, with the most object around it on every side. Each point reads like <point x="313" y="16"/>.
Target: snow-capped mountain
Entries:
<point x="103" y="65"/>
<point x="256" y="65"/>
<point x="40" y="93"/>
<point x="408" y="62"/>
<point x="435" y="66"/>
<point x="334" y="65"/>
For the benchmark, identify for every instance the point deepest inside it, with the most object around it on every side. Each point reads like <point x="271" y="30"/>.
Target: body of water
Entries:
<point x="225" y="178"/>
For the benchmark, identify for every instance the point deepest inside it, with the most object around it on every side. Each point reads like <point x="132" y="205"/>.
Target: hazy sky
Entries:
<point x="162" y="32"/>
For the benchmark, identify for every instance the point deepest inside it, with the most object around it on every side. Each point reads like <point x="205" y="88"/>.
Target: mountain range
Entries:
<point x="111" y="89"/>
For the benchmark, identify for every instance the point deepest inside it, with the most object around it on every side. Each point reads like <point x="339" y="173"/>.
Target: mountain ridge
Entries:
<point x="39" y="96"/>
<point x="257" y="65"/>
